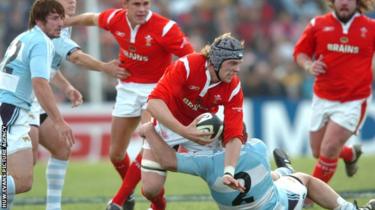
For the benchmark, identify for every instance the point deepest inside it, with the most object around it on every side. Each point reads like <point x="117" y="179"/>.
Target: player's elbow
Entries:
<point x="75" y="57"/>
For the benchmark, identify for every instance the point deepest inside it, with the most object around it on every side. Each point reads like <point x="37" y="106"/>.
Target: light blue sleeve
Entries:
<point x="40" y="61"/>
<point x="194" y="165"/>
<point x="63" y="47"/>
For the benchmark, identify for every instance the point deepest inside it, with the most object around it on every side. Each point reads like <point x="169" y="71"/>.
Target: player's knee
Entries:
<point x="23" y="183"/>
<point x="62" y="153"/>
<point x="315" y="153"/>
<point x="150" y="191"/>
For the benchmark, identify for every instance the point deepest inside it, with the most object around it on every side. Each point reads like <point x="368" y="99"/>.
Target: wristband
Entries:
<point x="229" y="170"/>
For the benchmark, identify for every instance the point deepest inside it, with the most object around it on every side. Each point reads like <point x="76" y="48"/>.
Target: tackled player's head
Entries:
<point x="225" y="54"/>
<point x="345" y="9"/>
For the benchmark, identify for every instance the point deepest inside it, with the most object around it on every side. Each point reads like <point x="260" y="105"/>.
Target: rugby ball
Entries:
<point x="211" y="123"/>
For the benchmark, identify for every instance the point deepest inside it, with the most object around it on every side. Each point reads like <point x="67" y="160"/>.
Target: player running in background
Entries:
<point x="263" y="188"/>
<point x="147" y="42"/>
<point x="42" y="128"/>
<point x="24" y="69"/>
<point x="195" y="84"/>
<point x="337" y="48"/>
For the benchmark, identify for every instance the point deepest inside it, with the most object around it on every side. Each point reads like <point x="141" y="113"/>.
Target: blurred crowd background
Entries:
<point x="269" y="28"/>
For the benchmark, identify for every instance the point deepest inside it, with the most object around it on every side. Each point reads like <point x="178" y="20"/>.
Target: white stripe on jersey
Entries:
<point x="186" y="64"/>
<point x="235" y="91"/>
<point x="312" y="22"/>
<point x="168" y="27"/>
<point x="111" y="15"/>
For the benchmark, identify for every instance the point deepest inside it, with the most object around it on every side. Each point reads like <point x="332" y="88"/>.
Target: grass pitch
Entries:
<point x="90" y="185"/>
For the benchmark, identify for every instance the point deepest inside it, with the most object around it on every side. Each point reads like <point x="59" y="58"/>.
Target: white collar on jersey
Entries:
<point x="208" y="81"/>
<point x="346" y="26"/>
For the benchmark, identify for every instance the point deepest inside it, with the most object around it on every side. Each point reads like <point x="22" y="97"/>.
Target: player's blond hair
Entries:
<point x="363" y="5"/>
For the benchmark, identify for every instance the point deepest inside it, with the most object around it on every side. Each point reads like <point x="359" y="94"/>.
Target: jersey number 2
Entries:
<point x="240" y="199"/>
<point x="10" y="55"/>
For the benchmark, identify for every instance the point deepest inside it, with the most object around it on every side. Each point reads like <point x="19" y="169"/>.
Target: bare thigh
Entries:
<point x="121" y="132"/>
<point x="48" y="137"/>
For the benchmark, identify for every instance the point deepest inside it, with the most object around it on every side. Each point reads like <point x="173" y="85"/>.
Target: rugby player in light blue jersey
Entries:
<point x="263" y="189"/>
<point x="42" y="128"/>
<point x="24" y="69"/>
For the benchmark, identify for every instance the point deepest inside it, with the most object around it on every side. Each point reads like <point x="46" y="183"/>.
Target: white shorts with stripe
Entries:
<point x="350" y="115"/>
<point x="16" y="122"/>
<point x="131" y="99"/>
<point x="292" y="193"/>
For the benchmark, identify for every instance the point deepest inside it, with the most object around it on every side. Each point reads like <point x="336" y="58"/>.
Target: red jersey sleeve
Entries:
<point x="305" y="44"/>
<point x="105" y="17"/>
<point x="175" y="42"/>
<point x="233" y="115"/>
<point x="171" y="82"/>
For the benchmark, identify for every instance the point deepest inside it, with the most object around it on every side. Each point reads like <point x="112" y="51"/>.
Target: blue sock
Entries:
<point x="11" y="190"/>
<point x="55" y="175"/>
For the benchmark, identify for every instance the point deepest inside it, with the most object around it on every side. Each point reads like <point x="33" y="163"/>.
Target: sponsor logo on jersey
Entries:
<point x="120" y="34"/>
<point x="193" y="87"/>
<point x="364" y="32"/>
<point x="328" y="28"/>
<point x="134" y="56"/>
<point x="217" y="98"/>
<point x="148" y="39"/>
<point x="193" y="106"/>
<point x="237" y="109"/>
<point x="344" y="39"/>
<point x="343" y="48"/>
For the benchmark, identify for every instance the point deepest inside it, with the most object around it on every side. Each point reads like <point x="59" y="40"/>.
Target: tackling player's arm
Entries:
<point x="78" y="57"/>
<point x="165" y="155"/>
<point x="85" y="19"/>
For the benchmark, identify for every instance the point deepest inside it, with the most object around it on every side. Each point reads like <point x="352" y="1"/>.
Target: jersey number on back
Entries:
<point x="240" y="199"/>
<point x="10" y="55"/>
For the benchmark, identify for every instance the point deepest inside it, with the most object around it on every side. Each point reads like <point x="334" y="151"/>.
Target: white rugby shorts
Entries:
<point x="350" y="115"/>
<point x="293" y="191"/>
<point x="131" y="99"/>
<point x="173" y="139"/>
<point x="17" y="123"/>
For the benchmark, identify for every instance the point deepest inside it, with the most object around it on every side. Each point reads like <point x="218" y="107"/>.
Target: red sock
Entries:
<point x="130" y="181"/>
<point x="347" y="153"/>
<point x="159" y="202"/>
<point x="325" y="168"/>
<point x="122" y="165"/>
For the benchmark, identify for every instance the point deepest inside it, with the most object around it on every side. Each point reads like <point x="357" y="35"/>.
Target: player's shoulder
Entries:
<point x="321" y="19"/>
<point x="367" y="20"/>
<point x="113" y="15"/>
<point x="160" y="25"/>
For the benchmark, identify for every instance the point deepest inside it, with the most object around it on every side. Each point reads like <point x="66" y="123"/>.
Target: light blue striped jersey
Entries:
<point x="29" y="55"/>
<point x="64" y="45"/>
<point x="253" y="168"/>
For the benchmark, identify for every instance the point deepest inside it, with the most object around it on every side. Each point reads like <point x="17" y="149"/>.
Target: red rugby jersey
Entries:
<point x="146" y="50"/>
<point x="347" y="50"/>
<point x="186" y="89"/>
